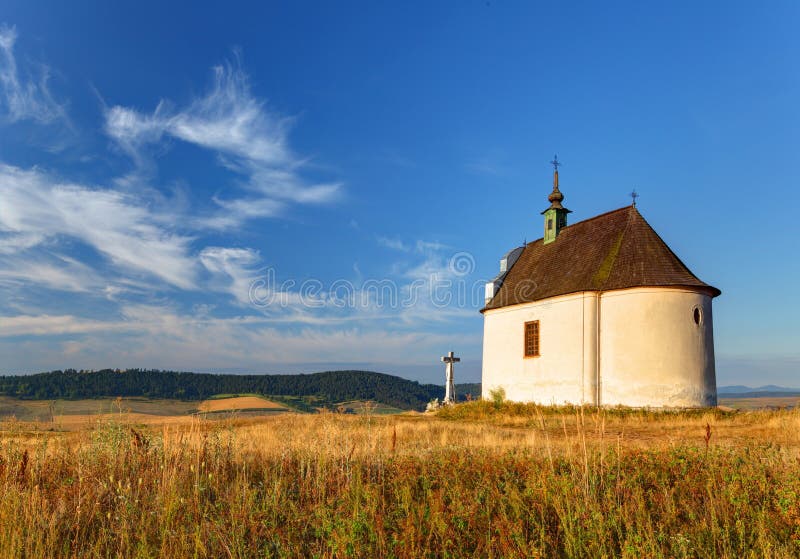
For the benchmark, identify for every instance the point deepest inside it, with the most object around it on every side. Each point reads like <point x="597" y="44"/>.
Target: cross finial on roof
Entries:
<point x="555" y="163"/>
<point x="555" y="217"/>
<point x="634" y="196"/>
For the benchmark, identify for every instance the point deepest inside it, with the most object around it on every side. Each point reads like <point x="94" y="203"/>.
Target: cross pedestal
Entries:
<point x="450" y="387"/>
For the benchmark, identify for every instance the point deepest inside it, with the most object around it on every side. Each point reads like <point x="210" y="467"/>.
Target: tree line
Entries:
<point x="330" y="386"/>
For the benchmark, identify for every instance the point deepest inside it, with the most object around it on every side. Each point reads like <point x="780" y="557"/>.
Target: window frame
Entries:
<point x="538" y="343"/>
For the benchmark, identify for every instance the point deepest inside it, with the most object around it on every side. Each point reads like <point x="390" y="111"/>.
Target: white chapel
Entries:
<point x="599" y="312"/>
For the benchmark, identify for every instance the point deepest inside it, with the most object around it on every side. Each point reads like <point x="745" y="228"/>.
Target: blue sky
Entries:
<point x="304" y="186"/>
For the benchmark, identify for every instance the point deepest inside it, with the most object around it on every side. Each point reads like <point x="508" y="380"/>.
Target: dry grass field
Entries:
<point x="475" y="480"/>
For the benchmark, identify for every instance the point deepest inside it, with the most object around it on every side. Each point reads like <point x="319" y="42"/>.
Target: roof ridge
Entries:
<point x="587" y="220"/>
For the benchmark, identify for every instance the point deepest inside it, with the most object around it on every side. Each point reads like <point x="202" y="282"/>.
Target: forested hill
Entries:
<point x="333" y="386"/>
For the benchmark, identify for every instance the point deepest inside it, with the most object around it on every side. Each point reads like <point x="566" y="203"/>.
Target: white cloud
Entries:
<point x="48" y="225"/>
<point x="238" y="209"/>
<point x="232" y="270"/>
<point x="419" y="247"/>
<point x="51" y="271"/>
<point x="431" y="286"/>
<point x="122" y="228"/>
<point x="426" y="247"/>
<point x="15" y="242"/>
<point x="229" y="120"/>
<point x="250" y="141"/>
<point x="131" y="129"/>
<point x="394" y="244"/>
<point x="134" y="226"/>
<point x="20" y="97"/>
<point x="157" y="336"/>
<point x="47" y="325"/>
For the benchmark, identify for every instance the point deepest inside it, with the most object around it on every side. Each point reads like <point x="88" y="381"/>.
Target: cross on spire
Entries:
<point x="634" y="196"/>
<point x="555" y="217"/>
<point x="556" y="164"/>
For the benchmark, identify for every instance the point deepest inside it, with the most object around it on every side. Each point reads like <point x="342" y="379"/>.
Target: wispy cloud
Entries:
<point x="392" y="243"/>
<point x="11" y="243"/>
<point x="24" y="97"/>
<point x="249" y="140"/>
<point x="431" y="284"/>
<point x="419" y="246"/>
<point x="126" y="240"/>
<point x="37" y="207"/>
<point x="131" y="223"/>
<point x="157" y="336"/>
<point x="232" y="270"/>
<point x="52" y="271"/>
<point x="61" y="325"/>
<point x="239" y="209"/>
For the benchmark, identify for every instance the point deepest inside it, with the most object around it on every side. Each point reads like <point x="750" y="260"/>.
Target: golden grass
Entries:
<point x="476" y="480"/>
<point x="79" y="422"/>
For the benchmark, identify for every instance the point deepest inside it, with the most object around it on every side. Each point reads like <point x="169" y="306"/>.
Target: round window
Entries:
<point x="698" y="316"/>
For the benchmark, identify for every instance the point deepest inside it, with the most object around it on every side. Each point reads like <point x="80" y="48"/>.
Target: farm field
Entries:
<point x="760" y="402"/>
<point x="79" y="414"/>
<point x="239" y="403"/>
<point x="60" y="410"/>
<point x="474" y="480"/>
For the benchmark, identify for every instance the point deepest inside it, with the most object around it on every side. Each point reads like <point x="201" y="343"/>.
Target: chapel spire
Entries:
<point x="555" y="197"/>
<point x="555" y="217"/>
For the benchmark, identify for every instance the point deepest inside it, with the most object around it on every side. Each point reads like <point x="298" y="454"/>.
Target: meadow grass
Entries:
<point x="476" y="480"/>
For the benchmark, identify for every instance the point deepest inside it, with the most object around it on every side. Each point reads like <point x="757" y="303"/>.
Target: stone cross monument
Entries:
<point x="450" y="388"/>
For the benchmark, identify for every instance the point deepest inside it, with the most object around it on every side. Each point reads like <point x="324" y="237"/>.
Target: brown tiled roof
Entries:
<point x="615" y="250"/>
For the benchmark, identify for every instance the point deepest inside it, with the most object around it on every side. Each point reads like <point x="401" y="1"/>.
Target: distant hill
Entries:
<point x="770" y="390"/>
<point x="327" y="387"/>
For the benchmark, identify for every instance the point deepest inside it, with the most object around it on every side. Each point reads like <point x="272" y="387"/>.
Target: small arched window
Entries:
<point x="698" y="316"/>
